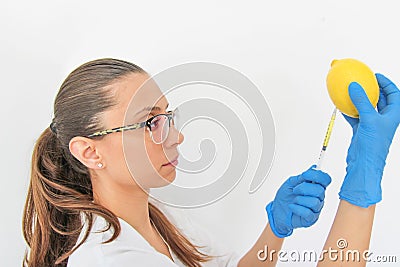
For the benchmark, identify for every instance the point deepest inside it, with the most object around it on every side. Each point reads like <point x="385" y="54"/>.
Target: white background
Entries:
<point x="284" y="47"/>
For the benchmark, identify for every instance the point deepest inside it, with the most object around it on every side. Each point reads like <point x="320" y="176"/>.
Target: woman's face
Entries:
<point x="131" y="158"/>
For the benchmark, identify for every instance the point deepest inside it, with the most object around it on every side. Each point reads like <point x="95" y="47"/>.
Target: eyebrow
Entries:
<point x="155" y="108"/>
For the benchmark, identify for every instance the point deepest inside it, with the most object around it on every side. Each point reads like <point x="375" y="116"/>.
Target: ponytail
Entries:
<point x="57" y="196"/>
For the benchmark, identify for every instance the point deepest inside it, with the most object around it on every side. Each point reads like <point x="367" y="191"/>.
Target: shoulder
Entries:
<point x="199" y="235"/>
<point x="129" y="247"/>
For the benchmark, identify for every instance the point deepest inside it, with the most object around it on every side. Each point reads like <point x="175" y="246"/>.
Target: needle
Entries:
<point x="326" y="140"/>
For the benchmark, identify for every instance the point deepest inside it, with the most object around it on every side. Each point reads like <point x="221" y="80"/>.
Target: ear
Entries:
<point x="84" y="150"/>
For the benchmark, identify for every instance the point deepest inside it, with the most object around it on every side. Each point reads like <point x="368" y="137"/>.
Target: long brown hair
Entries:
<point x="60" y="189"/>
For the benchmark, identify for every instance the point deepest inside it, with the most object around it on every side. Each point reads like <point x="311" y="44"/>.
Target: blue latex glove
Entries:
<point x="298" y="202"/>
<point x="372" y="135"/>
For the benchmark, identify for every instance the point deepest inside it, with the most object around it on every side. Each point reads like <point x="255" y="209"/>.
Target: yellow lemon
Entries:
<point x="341" y="74"/>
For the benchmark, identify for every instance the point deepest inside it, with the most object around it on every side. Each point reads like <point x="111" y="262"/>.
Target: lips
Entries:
<point x="173" y="162"/>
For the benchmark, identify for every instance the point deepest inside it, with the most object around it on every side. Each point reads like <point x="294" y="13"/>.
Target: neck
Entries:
<point x="129" y="203"/>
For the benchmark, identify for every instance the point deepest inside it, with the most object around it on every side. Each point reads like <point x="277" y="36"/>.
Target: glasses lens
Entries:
<point x="159" y="128"/>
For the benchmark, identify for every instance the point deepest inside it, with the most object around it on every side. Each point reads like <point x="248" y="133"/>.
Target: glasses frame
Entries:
<point x="171" y="115"/>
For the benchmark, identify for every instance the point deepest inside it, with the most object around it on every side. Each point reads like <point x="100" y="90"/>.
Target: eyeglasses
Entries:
<point x="158" y="127"/>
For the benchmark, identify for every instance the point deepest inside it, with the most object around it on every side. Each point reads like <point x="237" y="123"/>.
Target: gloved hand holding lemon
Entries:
<point x="357" y="91"/>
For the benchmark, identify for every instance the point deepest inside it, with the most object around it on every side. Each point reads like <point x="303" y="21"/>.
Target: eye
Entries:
<point x="155" y="123"/>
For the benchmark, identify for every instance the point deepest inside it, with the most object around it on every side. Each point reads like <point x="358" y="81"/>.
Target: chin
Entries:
<point x="170" y="177"/>
<point x="164" y="179"/>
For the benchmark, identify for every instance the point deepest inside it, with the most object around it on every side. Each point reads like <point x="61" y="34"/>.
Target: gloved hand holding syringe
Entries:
<point x="355" y="91"/>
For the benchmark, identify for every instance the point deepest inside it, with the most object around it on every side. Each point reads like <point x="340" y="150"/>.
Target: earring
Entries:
<point x="100" y="165"/>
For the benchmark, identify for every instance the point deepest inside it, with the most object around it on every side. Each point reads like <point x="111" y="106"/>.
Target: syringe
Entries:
<point x="326" y="140"/>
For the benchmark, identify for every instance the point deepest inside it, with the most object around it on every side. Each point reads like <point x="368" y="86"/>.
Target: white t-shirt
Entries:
<point x="131" y="249"/>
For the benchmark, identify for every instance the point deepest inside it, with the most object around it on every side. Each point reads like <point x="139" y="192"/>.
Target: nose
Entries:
<point x="181" y="137"/>
<point x="175" y="137"/>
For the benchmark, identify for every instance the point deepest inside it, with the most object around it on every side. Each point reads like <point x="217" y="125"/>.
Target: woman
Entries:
<point x="86" y="207"/>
